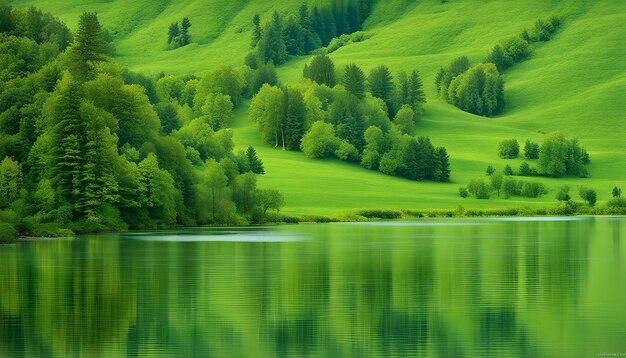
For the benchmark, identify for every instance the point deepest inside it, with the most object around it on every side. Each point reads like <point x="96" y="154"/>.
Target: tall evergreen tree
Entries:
<point x="321" y="70"/>
<point x="256" y="165"/>
<point x="294" y="121"/>
<point x="172" y="32"/>
<point x="354" y="80"/>
<point x="184" y="31"/>
<point x="442" y="165"/>
<point x="89" y="46"/>
<point x="381" y="86"/>
<point x="257" y="32"/>
<point x="272" y="45"/>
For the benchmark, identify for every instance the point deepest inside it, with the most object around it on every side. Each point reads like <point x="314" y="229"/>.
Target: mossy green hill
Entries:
<point x="574" y="83"/>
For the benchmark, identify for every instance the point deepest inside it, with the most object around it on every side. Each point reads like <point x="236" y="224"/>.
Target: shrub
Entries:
<point x="490" y="170"/>
<point x="347" y="152"/>
<point x="532" y="190"/>
<point x="380" y="214"/>
<point x="508" y="149"/>
<point x="524" y="170"/>
<point x="479" y="188"/>
<point x="563" y="194"/>
<point x="531" y="150"/>
<point x="588" y="195"/>
<point x="7" y="233"/>
<point x="617" y="203"/>
<point x="463" y="192"/>
<point x="507" y="170"/>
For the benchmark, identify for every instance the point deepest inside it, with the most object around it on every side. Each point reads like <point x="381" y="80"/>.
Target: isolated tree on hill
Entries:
<point x="184" y="31"/>
<point x="256" y="165"/>
<point x="588" y="195"/>
<point x="172" y="32"/>
<point x="89" y="46"/>
<point x="257" y="32"/>
<point x="441" y="171"/>
<point x="380" y="83"/>
<point x="617" y="192"/>
<point x="354" y="80"/>
<point x="321" y="70"/>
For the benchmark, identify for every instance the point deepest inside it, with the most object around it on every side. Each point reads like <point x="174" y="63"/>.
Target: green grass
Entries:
<point x="574" y="83"/>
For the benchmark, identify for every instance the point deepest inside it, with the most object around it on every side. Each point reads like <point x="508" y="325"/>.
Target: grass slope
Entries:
<point x="574" y="83"/>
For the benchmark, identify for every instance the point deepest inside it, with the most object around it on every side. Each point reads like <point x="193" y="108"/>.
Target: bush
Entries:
<point x="563" y="194"/>
<point x="479" y="188"/>
<point x="532" y="190"/>
<point x="508" y="149"/>
<point x="347" y="152"/>
<point x="507" y="170"/>
<point x="463" y="192"/>
<point x="320" y="141"/>
<point x="617" y="203"/>
<point x="531" y="150"/>
<point x="490" y="170"/>
<point x="524" y="170"/>
<point x="588" y="195"/>
<point x="8" y="234"/>
<point x="380" y="214"/>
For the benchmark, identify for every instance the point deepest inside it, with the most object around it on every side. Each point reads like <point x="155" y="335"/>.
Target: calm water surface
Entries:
<point x="435" y="288"/>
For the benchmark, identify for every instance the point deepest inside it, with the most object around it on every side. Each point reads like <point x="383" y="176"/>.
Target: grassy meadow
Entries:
<point x="574" y="83"/>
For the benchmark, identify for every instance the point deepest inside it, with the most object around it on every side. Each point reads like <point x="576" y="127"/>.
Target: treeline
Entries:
<point x="349" y="118"/>
<point x="479" y="88"/>
<point x="178" y="35"/>
<point x="85" y="147"/>
<point x="557" y="156"/>
<point x="295" y="35"/>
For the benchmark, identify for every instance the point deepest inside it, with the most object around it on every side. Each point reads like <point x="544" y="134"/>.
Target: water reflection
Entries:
<point x="443" y="289"/>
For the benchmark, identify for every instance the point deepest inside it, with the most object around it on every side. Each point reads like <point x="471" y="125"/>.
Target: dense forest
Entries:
<point x="87" y="145"/>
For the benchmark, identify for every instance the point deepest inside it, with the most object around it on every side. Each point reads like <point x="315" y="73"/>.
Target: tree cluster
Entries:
<point x="178" y="34"/>
<point x="351" y="121"/>
<point x="502" y="185"/>
<point x="81" y="148"/>
<point x="309" y="29"/>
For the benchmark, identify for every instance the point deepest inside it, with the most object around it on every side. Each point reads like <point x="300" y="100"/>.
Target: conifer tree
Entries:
<point x="354" y="80"/>
<point x="89" y="46"/>
<point x="381" y="86"/>
<point x="172" y="32"/>
<point x="294" y="121"/>
<point x="256" y="165"/>
<point x="257" y="32"/>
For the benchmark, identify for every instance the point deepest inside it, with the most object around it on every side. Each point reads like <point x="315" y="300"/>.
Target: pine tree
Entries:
<point x="442" y="166"/>
<point x="257" y="32"/>
<point x="89" y="46"/>
<point x="172" y="32"/>
<point x="294" y="122"/>
<point x="381" y="86"/>
<point x="354" y="80"/>
<point x="272" y="45"/>
<point x="256" y="165"/>
<point x="184" y="32"/>
<point x="321" y="70"/>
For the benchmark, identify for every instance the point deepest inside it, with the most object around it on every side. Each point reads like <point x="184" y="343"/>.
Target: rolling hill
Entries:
<point x="575" y="83"/>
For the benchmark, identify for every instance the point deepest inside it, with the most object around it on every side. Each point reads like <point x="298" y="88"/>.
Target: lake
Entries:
<point x="519" y="287"/>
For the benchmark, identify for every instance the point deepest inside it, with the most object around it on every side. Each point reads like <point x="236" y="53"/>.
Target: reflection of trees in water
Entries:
<point x="354" y="291"/>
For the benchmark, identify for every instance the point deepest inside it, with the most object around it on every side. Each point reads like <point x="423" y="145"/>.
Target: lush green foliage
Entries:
<point x="508" y="149"/>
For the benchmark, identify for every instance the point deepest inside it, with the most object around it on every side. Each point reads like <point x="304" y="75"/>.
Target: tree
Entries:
<point x="463" y="193"/>
<point x="89" y="46"/>
<point x="267" y="109"/>
<point x="442" y="165"/>
<point x="507" y="170"/>
<point x="375" y="147"/>
<point x="156" y="191"/>
<point x="515" y="49"/>
<point x="497" y="58"/>
<point x="168" y="116"/>
<point x="320" y="141"/>
<point x="509" y="187"/>
<point x="264" y="73"/>
<point x="410" y="91"/>
<point x="295" y="117"/>
<point x="479" y="90"/>
<point x="588" y="195"/>
<point x="218" y="110"/>
<point x="225" y="80"/>
<point x="173" y="32"/>
<point x="531" y="150"/>
<point x="272" y="45"/>
<point x="617" y="192"/>
<point x="244" y="192"/>
<point x="525" y="170"/>
<point x="257" y="32"/>
<point x="381" y="85"/>
<point x="478" y="188"/>
<point x="254" y="163"/>
<point x="508" y="149"/>
<point x="321" y="70"/>
<point x="553" y="155"/>
<point x="445" y="76"/>
<point x="346" y="116"/>
<point x="563" y="194"/>
<point x="10" y="181"/>
<point x="270" y="199"/>
<point x="496" y="180"/>
<point x="354" y="80"/>
<point x="213" y="197"/>
<point x="404" y="120"/>
<point x="184" y="31"/>
<point x="490" y="170"/>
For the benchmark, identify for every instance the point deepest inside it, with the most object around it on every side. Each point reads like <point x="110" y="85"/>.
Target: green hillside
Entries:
<point x="574" y="83"/>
